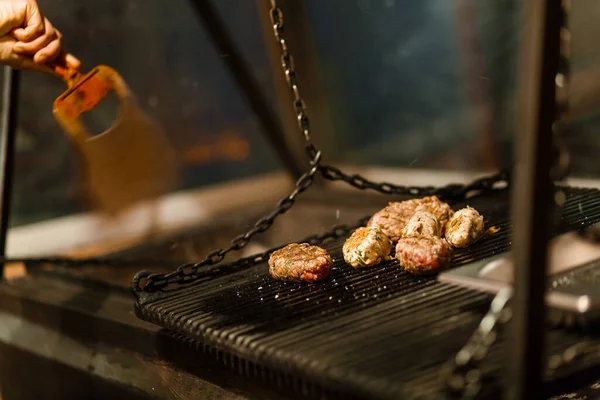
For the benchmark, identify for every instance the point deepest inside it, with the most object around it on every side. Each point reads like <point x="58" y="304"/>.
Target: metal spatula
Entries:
<point x="129" y="162"/>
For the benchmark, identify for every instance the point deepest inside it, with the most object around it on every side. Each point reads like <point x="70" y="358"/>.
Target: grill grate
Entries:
<point x="376" y="333"/>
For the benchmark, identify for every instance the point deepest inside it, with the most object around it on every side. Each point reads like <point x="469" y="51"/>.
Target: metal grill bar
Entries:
<point x="378" y="333"/>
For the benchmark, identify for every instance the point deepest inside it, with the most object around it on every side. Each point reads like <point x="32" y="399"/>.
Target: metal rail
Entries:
<point x="533" y="194"/>
<point x="8" y="126"/>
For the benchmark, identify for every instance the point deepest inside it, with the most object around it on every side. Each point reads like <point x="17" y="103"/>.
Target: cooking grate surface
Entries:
<point x="372" y="333"/>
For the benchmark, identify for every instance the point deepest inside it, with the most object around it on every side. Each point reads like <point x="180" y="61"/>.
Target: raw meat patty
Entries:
<point x="422" y="223"/>
<point x="423" y="255"/>
<point x="367" y="247"/>
<point x="300" y="262"/>
<point x="464" y="227"/>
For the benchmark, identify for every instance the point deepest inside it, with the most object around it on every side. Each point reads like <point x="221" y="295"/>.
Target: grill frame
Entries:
<point x="232" y="332"/>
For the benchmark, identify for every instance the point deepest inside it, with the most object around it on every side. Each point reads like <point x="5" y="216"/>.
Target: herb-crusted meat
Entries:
<point x="422" y="223"/>
<point x="435" y="206"/>
<point x="300" y="262"/>
<point x="464" y="227"/>
<point x="367" y="247"/>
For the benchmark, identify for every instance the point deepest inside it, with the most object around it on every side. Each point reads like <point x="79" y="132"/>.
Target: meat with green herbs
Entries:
<point x="367" y="247"/>
<point x="300" y="262"/>
<point x="464" y="227"/>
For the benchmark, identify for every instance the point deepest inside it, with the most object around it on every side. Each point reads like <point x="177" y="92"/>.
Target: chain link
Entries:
<point x="463" y="375"/>
<point x="287" y="63"/>
<point x="454" y="192"/>
<point x="190" y="272"/>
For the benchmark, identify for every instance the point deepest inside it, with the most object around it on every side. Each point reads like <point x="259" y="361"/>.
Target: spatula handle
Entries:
<point x="62" y="70"/>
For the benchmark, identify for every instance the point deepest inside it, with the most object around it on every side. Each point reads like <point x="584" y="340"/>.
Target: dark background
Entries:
<point x="419" y="83"/>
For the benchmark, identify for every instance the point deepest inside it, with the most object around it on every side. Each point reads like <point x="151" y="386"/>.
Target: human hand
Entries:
<point x="28" y="40"/>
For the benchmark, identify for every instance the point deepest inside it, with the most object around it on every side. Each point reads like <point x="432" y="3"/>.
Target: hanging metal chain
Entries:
<point x="287" y="63"/>
<point x="463" y="377"/>
<point x="188" y="273"/>
<point x="454" y="191"/>
<point x="464" y="374"/>
<point x="191" y="272"/>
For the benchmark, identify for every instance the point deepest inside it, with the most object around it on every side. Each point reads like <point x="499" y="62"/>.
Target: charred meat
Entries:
<point x="367" y="247"/>
<point x="300" y="262"/>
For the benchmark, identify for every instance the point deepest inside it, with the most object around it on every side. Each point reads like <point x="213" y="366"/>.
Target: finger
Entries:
<point x="72" y="62"/>
<point x="34" y="25"/>
<point x="69" y="59"/>
<point x="24" y="62"/>
<point x="37" y="44"/>
<point x="48" y="53"/>
<point x="16" y="60"/>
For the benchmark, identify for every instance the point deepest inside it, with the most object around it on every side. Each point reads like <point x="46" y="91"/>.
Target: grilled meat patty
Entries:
<point x="367" y="247"/>
<point x="423" y="255"/>
<point x="435" y="206"/>
<point x="422" y="223"/>
<point x="464" y="227"/>
<point x="300" y="262"/>
<point x="393" y="218"/>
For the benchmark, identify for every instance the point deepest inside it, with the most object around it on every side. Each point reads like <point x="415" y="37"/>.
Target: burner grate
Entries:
<point x="375" y="333"/>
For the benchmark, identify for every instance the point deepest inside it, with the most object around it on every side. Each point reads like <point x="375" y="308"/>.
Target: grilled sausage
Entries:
<point x="464" y="227"/>
<point x="367" y="247"/>
<point x="422" y="223"/>
<point x="423" y="255"/>
<point x="300" y="262"/>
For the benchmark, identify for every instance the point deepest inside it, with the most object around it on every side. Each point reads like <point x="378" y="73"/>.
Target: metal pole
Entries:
<point x="8" y="127"/>
<point x="532" y="194"/>
<point x="250" y="88"/>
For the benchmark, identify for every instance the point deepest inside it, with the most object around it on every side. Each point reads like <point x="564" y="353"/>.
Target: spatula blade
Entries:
<point x="133" y="160"/>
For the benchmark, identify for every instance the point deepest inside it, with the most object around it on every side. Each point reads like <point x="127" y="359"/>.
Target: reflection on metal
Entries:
<point x="8" y="128"/>
<point x="532" y="194"/>
<point x="572" y="264"/>
<point x="248" y="85"/>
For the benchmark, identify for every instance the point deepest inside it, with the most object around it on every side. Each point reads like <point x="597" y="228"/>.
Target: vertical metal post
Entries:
<point x="533" y="194"/>
<point x="8" y="127"/>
